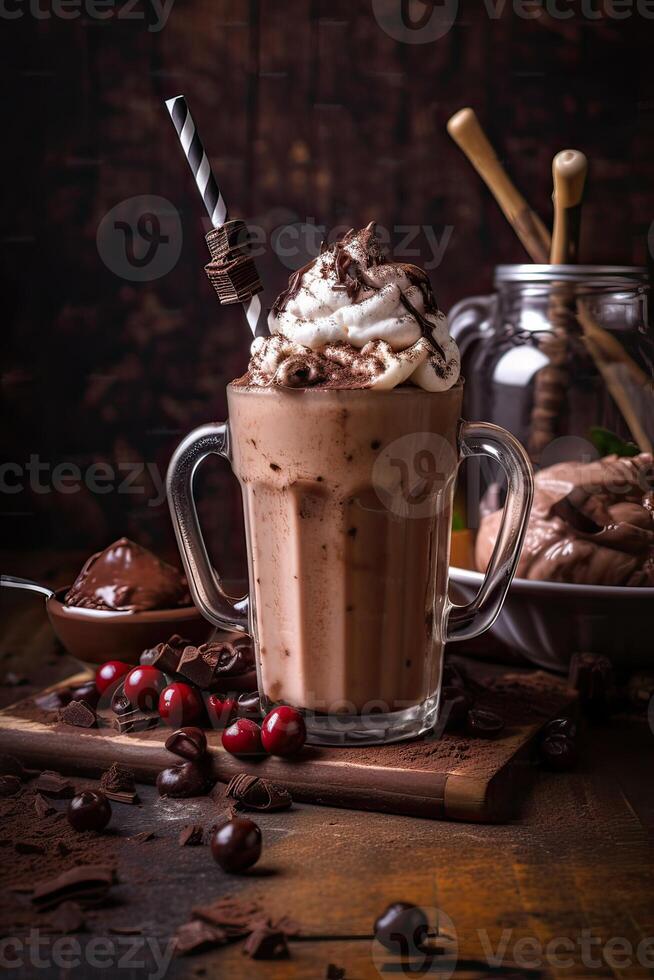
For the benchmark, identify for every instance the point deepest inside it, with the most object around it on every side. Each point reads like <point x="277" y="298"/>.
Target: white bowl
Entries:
<point x="546" y="622"/>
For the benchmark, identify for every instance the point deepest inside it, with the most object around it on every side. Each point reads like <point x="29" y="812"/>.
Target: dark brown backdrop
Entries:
<point x="311" y="112"/>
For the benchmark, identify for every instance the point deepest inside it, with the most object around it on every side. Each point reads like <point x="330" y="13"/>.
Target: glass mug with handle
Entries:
<point x="347" y="498"/>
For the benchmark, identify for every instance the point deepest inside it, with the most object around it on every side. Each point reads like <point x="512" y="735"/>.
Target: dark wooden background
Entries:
<point x="310" y="111"/>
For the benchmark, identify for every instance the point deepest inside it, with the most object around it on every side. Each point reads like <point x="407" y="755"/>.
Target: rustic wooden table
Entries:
<point x="565" y="891"/>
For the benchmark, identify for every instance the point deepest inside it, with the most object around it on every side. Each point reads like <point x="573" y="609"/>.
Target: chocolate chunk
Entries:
<point x="483" y="723"/>
<point x="265" y="943"/>
<point x="11" y="766"/>
<point x="165" y="656"/>
<point x="88" y="884"/>
<point x="257" y="793"/>
<point x="232" y="271"/>
<point x="67" y="918"/>
<point x="42" y="807"/>
<point x="191" y="835"/>
<point x="195" y="936"/>
<point x="53" y="700"/>
<point x="207" y="665"/>
<point x="117" y="784"/>
<point x="118" y="779"/>
<point x="54" y="785"/>
<point x="78" y="713"/>
<point x="135" y="721"/>
<point x="231" y="238"/>
<point x="335" y="972"/>
<point x="571" y="510"/>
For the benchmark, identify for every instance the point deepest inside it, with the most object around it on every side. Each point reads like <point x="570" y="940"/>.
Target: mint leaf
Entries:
<point x="607" y="443"/>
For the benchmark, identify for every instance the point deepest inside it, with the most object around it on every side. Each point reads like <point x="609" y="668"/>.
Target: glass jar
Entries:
<point x="559" y="350"/>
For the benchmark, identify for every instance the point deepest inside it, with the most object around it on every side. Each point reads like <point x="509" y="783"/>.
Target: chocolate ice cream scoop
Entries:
<point x="590" y="524"/>
<point x="127" y="577"/>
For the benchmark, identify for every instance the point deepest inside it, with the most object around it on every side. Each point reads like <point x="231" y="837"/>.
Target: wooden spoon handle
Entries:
<point x="569" y="169"/>
<point x="465" y="130"/>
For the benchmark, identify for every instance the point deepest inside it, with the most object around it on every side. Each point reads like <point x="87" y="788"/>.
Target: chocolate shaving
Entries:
<point x="191" y="835"/>
<point x="54" y="785"/>
<point x="118" y="796"/>
<point x="119" y="781"/>
<point x="78" y="713"/>
<point x="195" y="936"/>
<point x="265" y="943"/>
<point x="88" y="884"/>
<point x="257" y="793"/>
<point x="165" y="656"/>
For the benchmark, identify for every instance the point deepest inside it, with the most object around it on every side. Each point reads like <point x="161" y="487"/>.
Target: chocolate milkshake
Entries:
<point x="345" y="436"/>
<point x="348" y="595"/>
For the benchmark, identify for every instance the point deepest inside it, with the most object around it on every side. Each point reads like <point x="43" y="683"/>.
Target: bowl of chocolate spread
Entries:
<point x="585" y="579"/>
<point x="124" y="600"/>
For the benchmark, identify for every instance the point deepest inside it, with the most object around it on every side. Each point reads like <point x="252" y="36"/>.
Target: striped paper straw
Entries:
<point x="214" y="202"/>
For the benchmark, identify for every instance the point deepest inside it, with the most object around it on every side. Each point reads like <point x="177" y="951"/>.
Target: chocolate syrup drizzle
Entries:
<point x="351" y="276"/>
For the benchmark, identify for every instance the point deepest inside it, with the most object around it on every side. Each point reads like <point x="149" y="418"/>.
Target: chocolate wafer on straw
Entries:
<point x="232" y="271"/>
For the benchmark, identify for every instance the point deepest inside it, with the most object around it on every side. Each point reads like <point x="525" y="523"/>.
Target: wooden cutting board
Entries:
<point x="450" y="778"/>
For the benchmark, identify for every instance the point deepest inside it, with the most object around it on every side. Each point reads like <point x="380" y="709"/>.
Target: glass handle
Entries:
<point x="483" y="439"/>
<point x="210" y="598"/>
<point x="469" y="319"/>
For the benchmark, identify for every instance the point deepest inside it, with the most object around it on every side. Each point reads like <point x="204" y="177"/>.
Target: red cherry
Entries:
<point x="283" y="731"/>
<point x="142" y="687"/>
<point x="180" y="704"/>
<point x="109" y="673"/>
<point x="221" y="709"/>
<point x="243" y="737"/>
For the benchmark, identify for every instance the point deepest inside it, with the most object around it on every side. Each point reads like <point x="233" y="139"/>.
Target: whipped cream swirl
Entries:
<point x="349" y="319"/>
